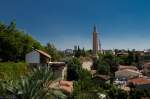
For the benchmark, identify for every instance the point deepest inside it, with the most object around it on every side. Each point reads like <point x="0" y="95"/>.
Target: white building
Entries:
<point x="37" y="57"/>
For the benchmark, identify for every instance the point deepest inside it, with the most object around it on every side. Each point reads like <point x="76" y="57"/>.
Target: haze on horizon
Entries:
<point x="122" y="24"/>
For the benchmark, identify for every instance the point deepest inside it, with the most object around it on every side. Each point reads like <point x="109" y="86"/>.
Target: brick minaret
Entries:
<point x="95" y="43"/>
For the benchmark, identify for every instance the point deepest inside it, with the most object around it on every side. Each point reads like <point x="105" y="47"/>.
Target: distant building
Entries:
<point x="96" y="43"/>
<point x="68" y="51"/>
<point x="37" y="57"/>
<point x="121" y="52"/>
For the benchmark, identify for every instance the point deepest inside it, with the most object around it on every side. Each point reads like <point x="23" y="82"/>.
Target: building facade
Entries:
<point x="37" y="58"/>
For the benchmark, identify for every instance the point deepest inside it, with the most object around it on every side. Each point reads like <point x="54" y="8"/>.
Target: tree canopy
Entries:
<point x="52" y="50"/>
<point x="14" y="43"/>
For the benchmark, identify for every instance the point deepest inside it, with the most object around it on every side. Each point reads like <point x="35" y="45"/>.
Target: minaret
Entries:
<point x="95" y="43"/>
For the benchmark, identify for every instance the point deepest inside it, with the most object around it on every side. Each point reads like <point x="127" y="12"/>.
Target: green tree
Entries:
<point x="14" y="44"/>
<point x="113" y="62"/>
<point x="73" y="71"/>
<point x="103" y="68"/>
<point x="84" y="87"/>
<point x="77" y="52"/>
<point x="131" y="57"/>
<point x="55" y="54"/>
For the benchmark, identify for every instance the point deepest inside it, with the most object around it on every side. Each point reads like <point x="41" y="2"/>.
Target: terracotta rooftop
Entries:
<point x="66" y="86"/>
<point x="43" y="53"/>
<point x="139" y="81"/>
<point x="121" y="67"/>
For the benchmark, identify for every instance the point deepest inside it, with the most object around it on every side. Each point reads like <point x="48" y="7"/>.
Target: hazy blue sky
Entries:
<point x="121" y="23"/>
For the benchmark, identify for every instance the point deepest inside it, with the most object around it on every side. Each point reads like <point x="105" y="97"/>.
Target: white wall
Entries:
<point x="33" y="57"/>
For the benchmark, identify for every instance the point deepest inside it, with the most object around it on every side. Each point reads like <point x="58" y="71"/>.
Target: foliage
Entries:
<point x="103" y="68"/>
<point x="123" y="60"/>
<point x="86" y="95"/>
<point x="78" y="52"/>
<point x="84" y="74"/>
<point x="133" y="58"/>
<point x="35" y="85"/>
<point x="115" y="93"/>
<point x="14" y="43"/>
<point x="106" y="63"/>
<point x="55" y="54"/>
<point x="74" y="67"/>
<point x="85" y="87"/>
<point x="11" y="70"/>
<point x="113" y="62"/>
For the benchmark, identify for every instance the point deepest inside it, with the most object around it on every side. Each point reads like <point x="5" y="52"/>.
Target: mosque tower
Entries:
<point x="96" y="43"/>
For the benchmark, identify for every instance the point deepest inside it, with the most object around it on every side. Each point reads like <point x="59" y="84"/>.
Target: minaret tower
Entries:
<point x="95" y="43"/>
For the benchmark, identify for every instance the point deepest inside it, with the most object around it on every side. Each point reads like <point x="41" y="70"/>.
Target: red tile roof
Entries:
<point x="139" y="81"/>
<point x="66" y="86"/>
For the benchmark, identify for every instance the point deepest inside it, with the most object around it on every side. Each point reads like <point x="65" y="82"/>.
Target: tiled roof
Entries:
<point x="43" y="53"/>
<point x="139" y="81"/>
<point x="121" y="67"/>
<point x="66" y="86"/>
<point x="129" y="73"/>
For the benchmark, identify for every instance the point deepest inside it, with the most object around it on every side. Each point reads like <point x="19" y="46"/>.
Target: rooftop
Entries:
<point x="43" y="53"/>
<point x="121" y="67"/>
<point x="128" y="73"/>
<point x="139" y="81"/>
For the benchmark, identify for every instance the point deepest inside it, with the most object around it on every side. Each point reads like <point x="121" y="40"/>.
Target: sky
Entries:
<point x="121" y="24"/>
